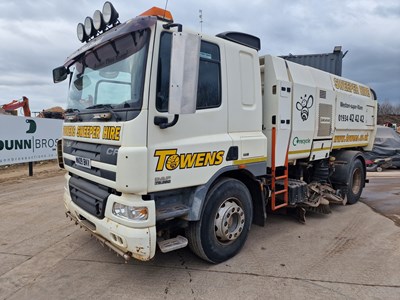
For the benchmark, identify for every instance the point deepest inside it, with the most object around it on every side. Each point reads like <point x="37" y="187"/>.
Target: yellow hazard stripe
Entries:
<point x="309" y="151"/>
<point x="250" y="160"/>
<point x="299" y="151"/>
<point x="322" y="149"/>
<point x="349" y="146"/>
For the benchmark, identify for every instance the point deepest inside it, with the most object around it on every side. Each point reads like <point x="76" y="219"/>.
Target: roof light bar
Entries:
<point x="101" y="22"/>
<point x="161" y="14"/>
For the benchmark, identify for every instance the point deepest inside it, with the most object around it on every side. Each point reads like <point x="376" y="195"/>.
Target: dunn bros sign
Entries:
<point x="28" y="139"/>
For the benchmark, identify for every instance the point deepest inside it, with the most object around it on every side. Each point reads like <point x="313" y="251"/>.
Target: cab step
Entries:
<point x="172" y="244"/>
<point x="171" y="211"/>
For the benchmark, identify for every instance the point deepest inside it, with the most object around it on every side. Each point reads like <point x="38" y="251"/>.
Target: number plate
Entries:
<point x="83" y="162"/>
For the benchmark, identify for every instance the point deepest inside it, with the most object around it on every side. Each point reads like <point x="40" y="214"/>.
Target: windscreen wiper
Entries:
<point x="75" y="115"/>
<point x="72" y="110"/>
<point x="108" y="108"/>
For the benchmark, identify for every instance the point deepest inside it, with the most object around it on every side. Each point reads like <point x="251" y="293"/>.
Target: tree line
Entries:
<point x="387" y="108"/>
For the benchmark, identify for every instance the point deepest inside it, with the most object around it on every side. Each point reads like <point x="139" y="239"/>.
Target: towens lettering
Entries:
<point x="170" y="159"/>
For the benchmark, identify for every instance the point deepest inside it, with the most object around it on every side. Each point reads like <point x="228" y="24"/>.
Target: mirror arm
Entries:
<point x="162" y="122"/>
<point x="171" y="25"/>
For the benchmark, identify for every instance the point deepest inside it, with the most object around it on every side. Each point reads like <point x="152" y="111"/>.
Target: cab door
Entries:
<point x="190" y="152"/>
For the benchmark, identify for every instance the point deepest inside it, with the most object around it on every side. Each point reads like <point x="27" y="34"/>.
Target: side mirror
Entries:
<point x="60" y="74"/>
<point x="184" y="73"/>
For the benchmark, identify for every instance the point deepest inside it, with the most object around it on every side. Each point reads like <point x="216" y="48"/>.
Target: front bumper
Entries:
<point x="128" y="239"/>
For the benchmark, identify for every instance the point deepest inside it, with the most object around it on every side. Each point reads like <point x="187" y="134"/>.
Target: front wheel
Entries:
<point x="225" y="222"/>
<point x="356" y="181"/>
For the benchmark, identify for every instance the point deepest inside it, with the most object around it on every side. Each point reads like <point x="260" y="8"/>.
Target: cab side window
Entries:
<point x="209" y="84"/>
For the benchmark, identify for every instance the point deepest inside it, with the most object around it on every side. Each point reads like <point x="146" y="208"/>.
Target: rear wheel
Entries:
<point x="356" y="182"/>
<point x="223" y="228"/>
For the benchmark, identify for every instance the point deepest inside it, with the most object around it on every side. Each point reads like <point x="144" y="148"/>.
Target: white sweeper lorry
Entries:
<point x="174" y="138"/>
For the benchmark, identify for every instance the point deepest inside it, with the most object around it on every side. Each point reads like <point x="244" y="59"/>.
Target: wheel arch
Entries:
<point x="257" y="193"/>
<point x="343" y="162"/>
<point x="251" y="182"/>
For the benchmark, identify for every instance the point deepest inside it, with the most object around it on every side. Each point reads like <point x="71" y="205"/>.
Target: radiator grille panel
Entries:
<point x="107" y="154"/>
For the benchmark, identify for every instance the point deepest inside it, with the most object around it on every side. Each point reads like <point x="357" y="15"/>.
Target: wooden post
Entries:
<point x="30" y="164"/>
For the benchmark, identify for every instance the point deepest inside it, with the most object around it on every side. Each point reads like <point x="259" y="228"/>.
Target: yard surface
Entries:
<point x="353" y="253"/>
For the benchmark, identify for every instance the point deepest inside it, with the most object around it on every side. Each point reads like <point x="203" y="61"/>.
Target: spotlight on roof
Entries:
<point x="98" y="21"/>
<point x="89" y="28"/>
<point x="80" y="32"/>
<point x="110" y="15"/>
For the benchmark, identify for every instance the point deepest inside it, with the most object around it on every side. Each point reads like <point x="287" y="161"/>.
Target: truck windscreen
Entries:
<point x="111" y="75"/>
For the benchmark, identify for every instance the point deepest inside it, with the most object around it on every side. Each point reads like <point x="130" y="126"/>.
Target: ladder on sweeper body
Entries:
<point x="274" y="177"/>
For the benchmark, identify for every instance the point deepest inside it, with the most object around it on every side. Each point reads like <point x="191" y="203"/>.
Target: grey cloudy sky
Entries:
<point x="37" y="35"/>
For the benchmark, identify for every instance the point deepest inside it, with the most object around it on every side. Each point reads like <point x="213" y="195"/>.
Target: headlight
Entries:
<point x="130" y="212"/>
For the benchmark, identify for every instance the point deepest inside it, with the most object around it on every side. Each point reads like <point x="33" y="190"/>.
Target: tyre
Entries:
<point x="225" y="222"/>
<point x="356" y="181"/>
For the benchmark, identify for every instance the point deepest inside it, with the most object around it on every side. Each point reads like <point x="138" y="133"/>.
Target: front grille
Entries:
<point x="88" y="195"/>
<point x="95" y="152"/>
<point x="110" y="175"/>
